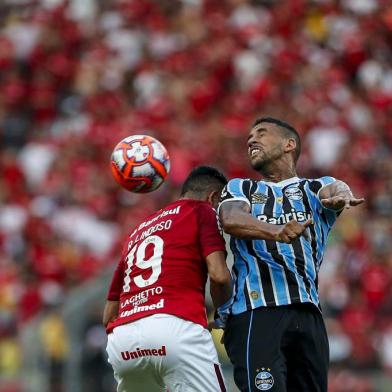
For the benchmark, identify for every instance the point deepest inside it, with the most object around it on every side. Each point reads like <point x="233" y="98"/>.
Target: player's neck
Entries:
<point x="278" y="171"/>
<point x="192" y="196"/>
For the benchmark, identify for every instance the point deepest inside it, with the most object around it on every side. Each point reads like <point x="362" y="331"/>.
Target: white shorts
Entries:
<point x="164" y="353"/>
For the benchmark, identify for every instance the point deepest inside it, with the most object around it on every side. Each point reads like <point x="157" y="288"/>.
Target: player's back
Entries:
<point x="163" y="269"/>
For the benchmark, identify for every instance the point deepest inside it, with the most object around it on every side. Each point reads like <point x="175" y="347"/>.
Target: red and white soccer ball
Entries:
<point x="140" y="163"/>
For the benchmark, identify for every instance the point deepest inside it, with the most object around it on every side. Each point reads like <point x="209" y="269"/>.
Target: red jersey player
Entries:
<point x="155" y="314"/>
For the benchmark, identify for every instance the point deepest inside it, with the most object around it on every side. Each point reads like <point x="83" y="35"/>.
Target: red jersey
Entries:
<point x="163" y="268"/>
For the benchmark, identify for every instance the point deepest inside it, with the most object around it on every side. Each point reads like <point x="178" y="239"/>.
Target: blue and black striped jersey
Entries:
<point x="269" y="273"/>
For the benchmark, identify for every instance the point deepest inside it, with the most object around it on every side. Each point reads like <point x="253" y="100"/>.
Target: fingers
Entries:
<point x="339" y="202"/>
<point x="335" y="202"/>
<point x="352" y="202"/>
<point x="308" y="223"/>
<point x="355" y="202"/>
<point x="285" y="238"/>
<point x="292" y="230"/>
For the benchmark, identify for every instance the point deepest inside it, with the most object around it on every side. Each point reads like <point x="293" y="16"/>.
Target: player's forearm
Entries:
<point x="244" y="226"/>
<point x="220" y="278"/>
<point x="220" y="291"/>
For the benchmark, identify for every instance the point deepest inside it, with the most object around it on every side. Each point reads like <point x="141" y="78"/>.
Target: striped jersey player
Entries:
<point x="272" y="273"/>
<point x="275" y="334"/>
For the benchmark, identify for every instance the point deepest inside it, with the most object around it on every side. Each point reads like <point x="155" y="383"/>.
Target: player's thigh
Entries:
<point x="194" y="367"/>
<point x="308" y="367"/>
<point x="252" y="341"/>
<point x="128" y="353"/>
<point x="136" y="380"/>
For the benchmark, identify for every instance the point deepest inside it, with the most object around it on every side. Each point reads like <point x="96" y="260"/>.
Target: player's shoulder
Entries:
<point x="239" y="189"/>
<point x="237" y="181"/>
<point x="240" y="183"/>
<point x="315" y="184"/>
<point x="193" y="205"/>
<point x="173" y="208"/>
<point x="201" y="206"/>
<point x="202" y="211"/>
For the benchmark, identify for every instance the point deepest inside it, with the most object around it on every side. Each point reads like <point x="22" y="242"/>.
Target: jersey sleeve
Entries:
<point x="117" y="282"/>
<point x="210" y="238"/>
<point x="316" y="186"/>
<point x="319" y="183"/>
<point x="236" y="189"/>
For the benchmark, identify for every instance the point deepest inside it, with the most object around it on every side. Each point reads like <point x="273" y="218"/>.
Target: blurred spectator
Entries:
<point x="54" y="340"/>
<point x="98" y="375"/>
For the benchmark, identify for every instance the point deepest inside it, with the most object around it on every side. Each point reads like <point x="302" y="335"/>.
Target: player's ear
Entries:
<point x="213" y="198"/>
<point x="290" y="145"/>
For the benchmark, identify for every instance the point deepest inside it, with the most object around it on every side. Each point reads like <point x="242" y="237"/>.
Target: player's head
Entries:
<point x="204" y="183"/>
<point x="271" y="139"/>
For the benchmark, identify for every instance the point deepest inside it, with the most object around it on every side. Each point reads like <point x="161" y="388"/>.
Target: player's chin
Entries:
<point x="256" y="163"/>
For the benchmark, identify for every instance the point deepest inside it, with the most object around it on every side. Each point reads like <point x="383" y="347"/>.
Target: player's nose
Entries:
<point x="251" y="141"/>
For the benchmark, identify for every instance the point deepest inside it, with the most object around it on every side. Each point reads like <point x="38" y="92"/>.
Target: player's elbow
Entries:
<point x="229" y="221"/>
<point x="105" y="321"/>
<point x="221" y="278"/>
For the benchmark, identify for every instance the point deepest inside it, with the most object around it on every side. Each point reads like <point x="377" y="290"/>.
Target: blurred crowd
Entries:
<point x="78" y="76"/>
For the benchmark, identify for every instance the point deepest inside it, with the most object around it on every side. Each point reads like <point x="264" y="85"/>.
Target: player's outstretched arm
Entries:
<point x="220" y="278"/>
<point x="110" y="312"/>
<point x="337" y="196"/>
<point x="237" y="221"/>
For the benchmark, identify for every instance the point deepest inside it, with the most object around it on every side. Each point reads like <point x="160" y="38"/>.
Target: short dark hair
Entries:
<point x="204" y="179"/>
<point x="288" y="131"/>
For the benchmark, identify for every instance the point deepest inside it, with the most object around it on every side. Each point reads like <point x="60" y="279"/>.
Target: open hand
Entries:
<point x="340" y="202"/>
<point x="292" y="230"/>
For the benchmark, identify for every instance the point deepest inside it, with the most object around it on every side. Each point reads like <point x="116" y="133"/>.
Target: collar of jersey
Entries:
<point x="283" y="182"/>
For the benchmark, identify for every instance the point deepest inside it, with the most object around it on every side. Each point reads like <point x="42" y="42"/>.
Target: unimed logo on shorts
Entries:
<point x="143" y="352"/>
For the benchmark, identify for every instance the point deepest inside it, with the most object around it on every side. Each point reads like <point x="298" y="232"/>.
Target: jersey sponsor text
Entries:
<point x="143" y="352"/>
<point x="299" y="216"/>
<point x="137" y="309"/>
<point x="141" y="297"/>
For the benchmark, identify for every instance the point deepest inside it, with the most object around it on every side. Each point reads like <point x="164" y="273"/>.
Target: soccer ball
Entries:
<point x="140" y="163"/>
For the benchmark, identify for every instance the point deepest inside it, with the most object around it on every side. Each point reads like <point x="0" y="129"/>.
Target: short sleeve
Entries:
<point x="329" y="215"/>
<point x="236" y="189"/>
<point x="117" y="282"/>
<point x="319" y="183"/>
<point x="210" y="238"/>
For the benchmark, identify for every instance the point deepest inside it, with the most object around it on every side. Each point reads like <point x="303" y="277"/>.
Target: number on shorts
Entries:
<point x="154" y="263"/>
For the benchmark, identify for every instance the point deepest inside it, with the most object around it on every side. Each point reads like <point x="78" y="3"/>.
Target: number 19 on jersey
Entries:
<point x="154" y="263"/>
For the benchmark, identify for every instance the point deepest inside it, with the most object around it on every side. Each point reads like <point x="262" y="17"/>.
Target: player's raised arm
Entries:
<point x="337" y="196"/>
<point x="237" y="221"/>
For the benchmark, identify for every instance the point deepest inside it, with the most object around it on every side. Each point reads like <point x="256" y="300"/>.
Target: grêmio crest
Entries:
<point x="259" y="198"/>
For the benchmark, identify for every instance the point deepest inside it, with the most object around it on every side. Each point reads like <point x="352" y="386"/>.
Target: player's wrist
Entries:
<point x="271" y="232"/>
<point x="220" y="320"/>
<point x="222" y="313"/>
